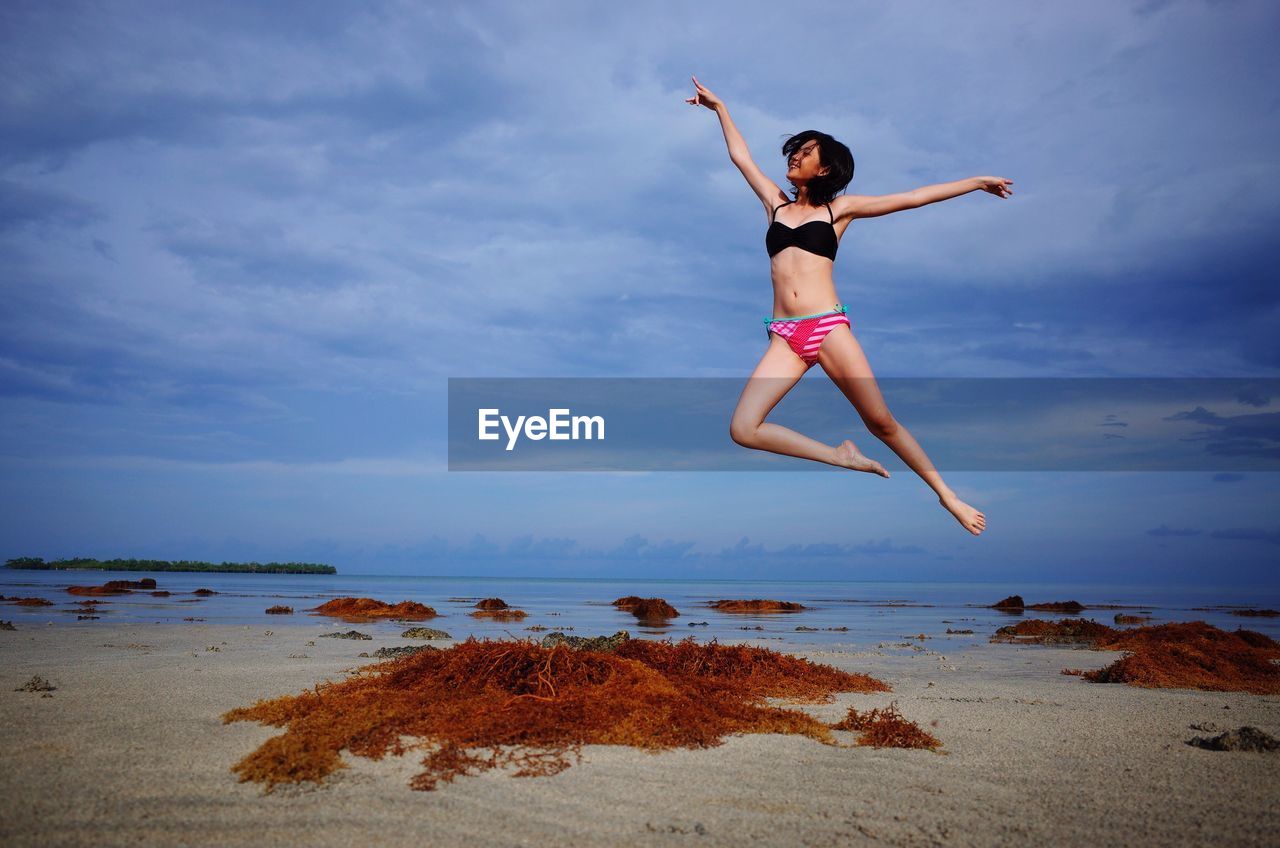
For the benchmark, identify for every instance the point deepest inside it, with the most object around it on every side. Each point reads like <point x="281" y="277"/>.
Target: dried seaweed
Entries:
<point x="483" y="704"/>
<point x="1193" y="655"/>
<point x="1084" y="631"/>
<point x="501" y="615"/>
<point x="1058" y="606"/>
<point x="757" y="605"/>
<point x="359" y="609"/>
<point x="105" y="589"/>
<point x="647" y="609"/>
<point x="1184" y="655"/>
<point x="144" y="583"/>
<point x="885" y="727"/>
<point x="1015" y="602"/>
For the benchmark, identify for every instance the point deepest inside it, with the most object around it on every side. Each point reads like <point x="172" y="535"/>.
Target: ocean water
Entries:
<point x="873" y="614"/>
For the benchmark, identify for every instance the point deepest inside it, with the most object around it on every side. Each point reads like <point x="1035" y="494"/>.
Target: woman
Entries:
<point x="809" y="324"/>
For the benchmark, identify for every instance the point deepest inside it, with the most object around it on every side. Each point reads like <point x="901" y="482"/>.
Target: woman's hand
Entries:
<point x="998" y="186"/>
<point x="703" y="97"/>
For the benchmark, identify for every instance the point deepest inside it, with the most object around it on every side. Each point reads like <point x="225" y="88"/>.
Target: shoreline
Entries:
<point x="130" y="749"/>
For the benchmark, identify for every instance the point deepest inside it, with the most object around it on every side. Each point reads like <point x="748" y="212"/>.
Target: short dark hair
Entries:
<point x="831" y="154"/>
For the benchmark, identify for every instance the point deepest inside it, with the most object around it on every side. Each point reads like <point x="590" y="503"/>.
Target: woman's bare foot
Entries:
<point x="848" y="456"/>
<point x="972" y="520"/>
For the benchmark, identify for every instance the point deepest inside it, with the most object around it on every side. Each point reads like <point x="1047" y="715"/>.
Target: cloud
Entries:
<point x="1164" y="531"/>
<point x="1253" y="534"/>
<point x="1256" y="434"/>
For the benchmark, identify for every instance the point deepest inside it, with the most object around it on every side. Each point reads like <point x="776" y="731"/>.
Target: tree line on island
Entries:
<point x="39" y="563"/>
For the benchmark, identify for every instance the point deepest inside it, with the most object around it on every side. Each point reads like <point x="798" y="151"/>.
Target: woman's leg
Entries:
<point x="842" y="358"/>
<point x="776" y="374"/>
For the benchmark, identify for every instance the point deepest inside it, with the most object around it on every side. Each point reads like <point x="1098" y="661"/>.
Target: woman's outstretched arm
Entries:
<point x="864" y="206"/>
<point x="766" y="189"/>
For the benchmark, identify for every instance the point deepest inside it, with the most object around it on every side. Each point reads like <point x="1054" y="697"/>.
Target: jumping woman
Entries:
<point x="809" y="324"/>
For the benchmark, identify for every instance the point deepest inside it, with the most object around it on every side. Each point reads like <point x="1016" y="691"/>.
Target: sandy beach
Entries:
<point x="130" y="749"/>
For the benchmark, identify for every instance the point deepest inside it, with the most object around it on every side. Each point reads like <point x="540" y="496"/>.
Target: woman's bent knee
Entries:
<point x="742" y="432"/>
<point x="882" y="428"/>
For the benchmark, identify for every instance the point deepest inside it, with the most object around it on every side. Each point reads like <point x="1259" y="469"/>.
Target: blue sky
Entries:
<point x="243" y="246"/>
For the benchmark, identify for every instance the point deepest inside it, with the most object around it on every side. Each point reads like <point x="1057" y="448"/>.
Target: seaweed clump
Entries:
<point x="365" y="608"/>
<point x="1015" y="602"/>
<point x="885" y="727"/>
<point x="501" y="614"/>
<point x="105" y="589"/>
<point x="492" y="604"/>
<point x="647" y="609"/>
<point x="1193" y="655"/>
<point x="279" y="609"/>
<point x="144" y="583"/>
<point x="1065" y="631"/>
<point x="1184" y="655"/>
<point x="757" y="605"/>
<point x="484" y="704"/>
<point x="1245" y="739"/>
<point x="1058" y="606"/>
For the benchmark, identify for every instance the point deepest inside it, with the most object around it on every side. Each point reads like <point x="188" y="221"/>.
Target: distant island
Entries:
<point x="37" y="563"/>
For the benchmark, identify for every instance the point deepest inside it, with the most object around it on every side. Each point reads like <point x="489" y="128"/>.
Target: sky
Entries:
<point x="244" y="247"/>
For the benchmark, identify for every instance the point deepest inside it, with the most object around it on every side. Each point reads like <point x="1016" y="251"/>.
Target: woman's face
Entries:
<point x="804" y="164"/>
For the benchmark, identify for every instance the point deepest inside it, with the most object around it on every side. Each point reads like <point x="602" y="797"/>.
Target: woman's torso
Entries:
<point x="802" y="280"/>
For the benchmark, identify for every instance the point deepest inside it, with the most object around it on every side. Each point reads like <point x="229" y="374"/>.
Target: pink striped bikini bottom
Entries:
<point x="805" y="332"/>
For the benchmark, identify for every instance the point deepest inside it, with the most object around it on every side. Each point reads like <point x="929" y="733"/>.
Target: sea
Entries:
<point x="840" y="615"/>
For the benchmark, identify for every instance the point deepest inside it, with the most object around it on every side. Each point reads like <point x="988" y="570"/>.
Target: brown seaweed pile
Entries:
<point x="647" y="609"/>
<point x="144" y="583"/>
<point x="492" y="604"/>
<point x="104" y="589"/>
<point x="1058" y="606"/>
<point x="1067" y="631"/>
<point x="279" y="609"/>
<point x="501" y="614"/>
<point x="757" y="605"/>
<point x="359" y="609"/>
<point x="114" y="587"/>
<point x="1015" y="602"/>
<point x="483" y="704"/>
<point x="886" y="728"/>
<point x="29" y="602"/>
<point x="1184" y="655"/>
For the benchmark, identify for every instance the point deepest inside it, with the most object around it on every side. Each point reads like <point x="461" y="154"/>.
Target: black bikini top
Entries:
<point x="810" y="236"/>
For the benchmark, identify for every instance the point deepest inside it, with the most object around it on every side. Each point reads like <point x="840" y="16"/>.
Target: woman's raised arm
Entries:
<point x="766" y="189"/>
<point x="864" y="206"/>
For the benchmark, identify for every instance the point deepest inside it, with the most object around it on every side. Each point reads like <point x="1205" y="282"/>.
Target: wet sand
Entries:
<point x="130" y="749"/>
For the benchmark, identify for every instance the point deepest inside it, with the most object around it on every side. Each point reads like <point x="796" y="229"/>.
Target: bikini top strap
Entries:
<point x="776" y="208"/>
<point x="832" y="214"/>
